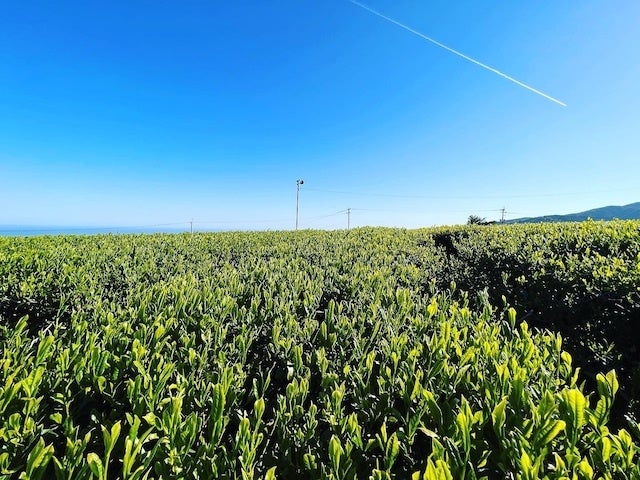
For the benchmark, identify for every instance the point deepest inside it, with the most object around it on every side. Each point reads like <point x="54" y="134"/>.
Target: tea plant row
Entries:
<point x="290" y="355"/>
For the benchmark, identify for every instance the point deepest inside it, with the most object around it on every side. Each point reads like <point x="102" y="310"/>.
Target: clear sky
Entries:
<point x="151" y="112"/>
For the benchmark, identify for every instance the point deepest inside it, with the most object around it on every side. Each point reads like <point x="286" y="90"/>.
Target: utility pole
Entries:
<point x="502" y="215"/>
<point x="298" y="183"/>
<point x="348" y="218"/>
<point x="191" y="224"/>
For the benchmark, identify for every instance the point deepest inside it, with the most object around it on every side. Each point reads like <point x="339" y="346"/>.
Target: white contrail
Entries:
<point x="460" y="54"/>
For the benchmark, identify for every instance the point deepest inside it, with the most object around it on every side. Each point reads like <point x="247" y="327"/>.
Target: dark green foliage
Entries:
<point x="476" y="220"/>
<point x="581" y="280"/>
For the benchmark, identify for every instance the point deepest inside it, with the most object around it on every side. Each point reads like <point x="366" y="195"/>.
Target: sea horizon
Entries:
<point x="57" y="230"/>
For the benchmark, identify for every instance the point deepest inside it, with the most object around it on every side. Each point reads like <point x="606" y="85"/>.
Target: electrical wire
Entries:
<point x="465" y="197"/>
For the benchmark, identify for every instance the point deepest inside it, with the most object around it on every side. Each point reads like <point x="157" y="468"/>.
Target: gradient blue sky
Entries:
<point x="152" y="112"/>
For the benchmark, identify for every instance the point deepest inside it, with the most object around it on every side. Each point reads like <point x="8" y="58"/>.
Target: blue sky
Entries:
<point x="144" y="113"/>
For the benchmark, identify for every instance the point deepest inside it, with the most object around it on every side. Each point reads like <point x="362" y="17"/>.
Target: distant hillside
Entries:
<point x="625" y="212"/>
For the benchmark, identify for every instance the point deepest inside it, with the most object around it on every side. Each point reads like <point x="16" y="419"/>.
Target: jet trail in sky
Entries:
<point x="455" y="52"/>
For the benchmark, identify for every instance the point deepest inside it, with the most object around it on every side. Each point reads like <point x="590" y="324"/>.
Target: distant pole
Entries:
<point x="191" y="223"/>
<point x="502" y="215"/>
<point x="348" y="218"/>
<point x="298" y="183"/>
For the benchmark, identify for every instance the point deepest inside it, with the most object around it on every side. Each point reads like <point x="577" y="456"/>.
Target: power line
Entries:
<point x="466" y="197"/>
<point x="262" y="220"/>
<point x="318" y="217"/>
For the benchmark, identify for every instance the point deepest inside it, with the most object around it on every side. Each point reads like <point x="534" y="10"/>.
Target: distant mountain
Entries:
<point x="625" y="212"/>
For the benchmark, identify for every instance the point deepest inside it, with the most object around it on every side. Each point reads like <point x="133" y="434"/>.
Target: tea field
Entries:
<point x="447" y="353"/>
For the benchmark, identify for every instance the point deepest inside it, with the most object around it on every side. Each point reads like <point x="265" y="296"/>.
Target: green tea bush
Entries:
<point x="282" y="355"/>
